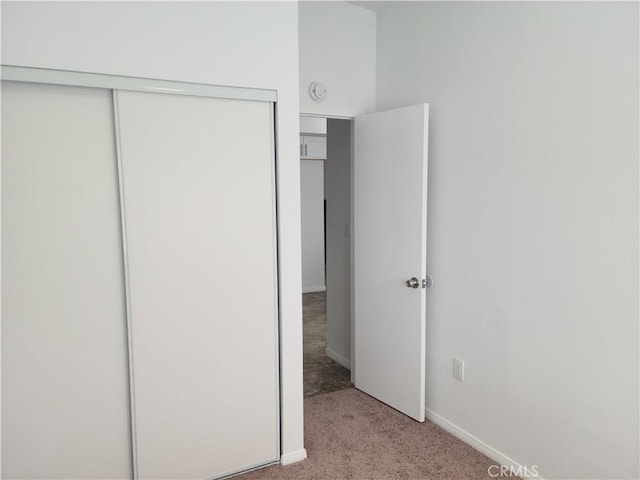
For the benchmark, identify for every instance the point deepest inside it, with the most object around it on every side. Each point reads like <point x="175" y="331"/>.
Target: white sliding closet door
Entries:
<point x="65" y="410"/>
<point x="199" y="199"/>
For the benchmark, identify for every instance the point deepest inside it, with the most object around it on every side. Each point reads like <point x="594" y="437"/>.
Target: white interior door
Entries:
<point x="198" y="177"/>
<point x="390" y="246"/>
<point x="65" y="397"/>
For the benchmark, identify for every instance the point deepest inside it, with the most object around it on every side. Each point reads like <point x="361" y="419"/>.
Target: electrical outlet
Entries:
<point x="458" y="368"/>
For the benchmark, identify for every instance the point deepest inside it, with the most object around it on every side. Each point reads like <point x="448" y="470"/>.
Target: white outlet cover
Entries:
<point x="458" y="368"/>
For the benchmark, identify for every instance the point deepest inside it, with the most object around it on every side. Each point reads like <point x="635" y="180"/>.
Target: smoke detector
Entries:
<point x="318" y="91"/>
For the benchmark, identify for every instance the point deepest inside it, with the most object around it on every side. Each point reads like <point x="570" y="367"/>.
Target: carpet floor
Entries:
<point x="349" y="435"/>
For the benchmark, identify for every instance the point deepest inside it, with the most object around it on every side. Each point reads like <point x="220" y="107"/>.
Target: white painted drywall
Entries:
<point x="224" y="43"/>
<point x="337" y="47"/>
<point x="533" y="221"/>
<point x="337" y="187"/>
<point x="312" y="214"/>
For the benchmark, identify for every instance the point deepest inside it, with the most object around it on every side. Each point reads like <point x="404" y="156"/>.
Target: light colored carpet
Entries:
<point x="349" y="435"/>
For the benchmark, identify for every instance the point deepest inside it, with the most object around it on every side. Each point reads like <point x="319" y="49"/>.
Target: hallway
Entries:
<point x="321" y="374"/>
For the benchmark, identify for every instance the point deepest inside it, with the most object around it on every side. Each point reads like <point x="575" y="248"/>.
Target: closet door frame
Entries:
<point x="124" y="83"/>
<point x="137" y="84"/>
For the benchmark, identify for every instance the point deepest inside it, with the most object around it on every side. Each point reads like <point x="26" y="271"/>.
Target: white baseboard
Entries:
<point x="314" y="289"/>
<point x="479" y="445"/>
<point x="293" y="457"/>
<point x="336" y="357"/>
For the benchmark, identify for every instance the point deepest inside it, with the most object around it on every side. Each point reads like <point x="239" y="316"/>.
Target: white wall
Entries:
<point x="533" y="221"/>
<point x="337" y="47"/>
<point x="312" y="217"/>
<point x="337" y="187"/>
<point x="222" y="43"/>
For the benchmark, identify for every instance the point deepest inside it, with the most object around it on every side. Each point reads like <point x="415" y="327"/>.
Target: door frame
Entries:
<point x="55" y="77"/>
<point x="351" y="243"/>
<point x="351" y="246"/>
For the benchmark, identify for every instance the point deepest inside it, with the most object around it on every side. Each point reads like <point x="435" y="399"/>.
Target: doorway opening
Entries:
<point x="325" y="183"/>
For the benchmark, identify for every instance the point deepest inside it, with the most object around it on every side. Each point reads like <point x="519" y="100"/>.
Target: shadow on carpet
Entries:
<point x="349" y="435"/>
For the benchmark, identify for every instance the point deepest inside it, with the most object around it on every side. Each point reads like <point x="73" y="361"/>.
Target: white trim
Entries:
<point x="322" y="115"/>
<point x="293" y="457"/>
<point x="323" y="288"/>
<point x="336" y="357"/>
<point x="242" y="472"/>
<point x="477" y="444"/>
<point x="312" y="134"/>
<point x="127" y="288"/>
<point x="276" y="279"/>
<point x="116" y="82"/>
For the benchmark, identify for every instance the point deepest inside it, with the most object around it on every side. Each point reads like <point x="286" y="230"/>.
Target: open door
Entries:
<point x="390" y="251"/>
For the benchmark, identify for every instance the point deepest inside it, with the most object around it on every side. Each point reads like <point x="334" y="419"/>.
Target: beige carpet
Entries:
<point x="349" y="435"/>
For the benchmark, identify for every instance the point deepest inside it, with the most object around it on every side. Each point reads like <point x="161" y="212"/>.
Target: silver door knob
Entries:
<point x="413" y="282"/>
